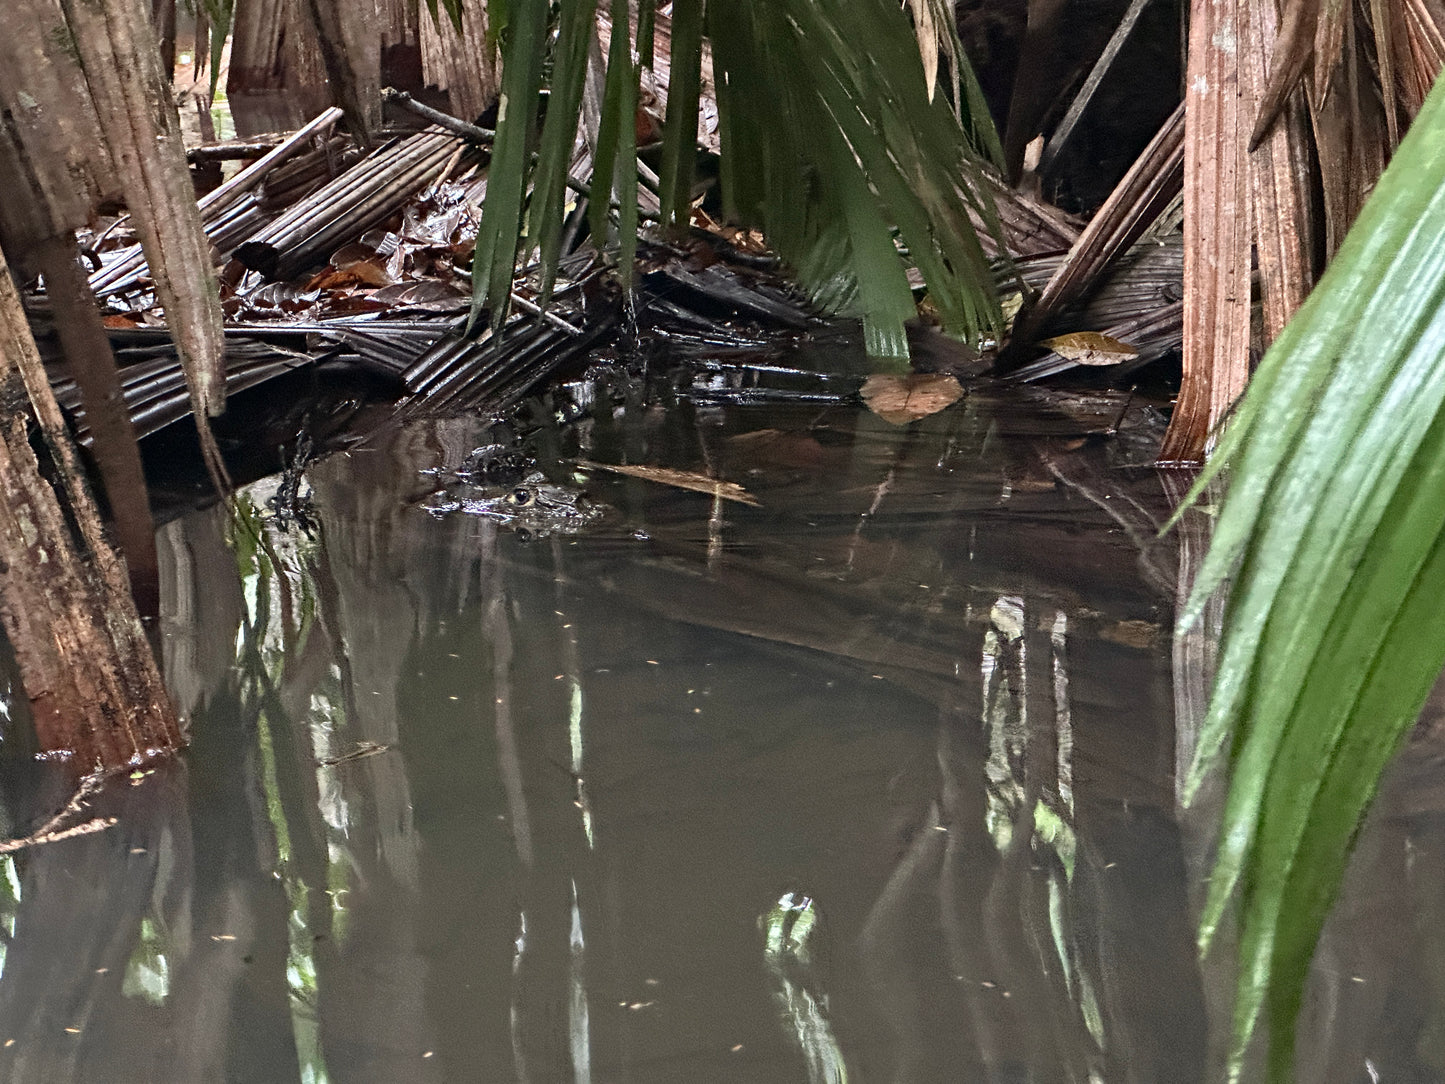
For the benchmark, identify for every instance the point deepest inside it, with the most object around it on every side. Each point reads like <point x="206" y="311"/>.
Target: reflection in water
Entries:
<point x="787" y="949"/>
<point x="466" y="807"/>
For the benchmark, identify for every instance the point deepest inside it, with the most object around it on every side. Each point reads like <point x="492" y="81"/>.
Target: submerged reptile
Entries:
<point x="517" y="496"/>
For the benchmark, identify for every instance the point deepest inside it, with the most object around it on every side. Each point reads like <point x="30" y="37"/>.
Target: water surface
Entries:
<point x="872" y="781"/>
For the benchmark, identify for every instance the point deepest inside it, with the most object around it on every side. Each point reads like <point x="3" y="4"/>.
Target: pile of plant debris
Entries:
<point x="351" y="267"/>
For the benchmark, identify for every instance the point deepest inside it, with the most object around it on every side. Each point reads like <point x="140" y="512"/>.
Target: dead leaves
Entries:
<point x="1090" y="348"/>
<point x="903" y="399"/>
<point x="682" y="479"/>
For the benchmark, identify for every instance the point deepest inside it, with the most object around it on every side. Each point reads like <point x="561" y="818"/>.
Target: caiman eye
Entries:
<point x="522" y="496"/>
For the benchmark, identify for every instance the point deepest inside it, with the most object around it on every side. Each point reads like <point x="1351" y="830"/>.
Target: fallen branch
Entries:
<point x="442" y="120"/>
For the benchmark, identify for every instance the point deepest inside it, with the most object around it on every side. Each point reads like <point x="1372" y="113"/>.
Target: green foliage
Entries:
<point x="554" y="158"/>
<point x="679" y="151"/>
<point x="830" y="143"/>
<point x="219" y="14"/>
<point x="493" y="261"/>
<point x="614" y="160"/>
<point x="1332" y="531"/>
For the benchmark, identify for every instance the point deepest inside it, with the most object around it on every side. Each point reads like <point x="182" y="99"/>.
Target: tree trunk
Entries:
<point x="95" y="693"/>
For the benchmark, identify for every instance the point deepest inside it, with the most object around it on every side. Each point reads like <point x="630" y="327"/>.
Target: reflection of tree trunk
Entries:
<point x="885" y="942"/>
<point x="233" y="981"/>
<point x="201" y="607"/>
<point x="117" y="455"/>
<point x="969" y="865"/>
<point x="1365" y="955"/>
<point x="1193" y="661"/>
<point x="375" y="600"/>
<point x="1061" y="971"/>
<point x="1140" y="925"/>
<point x="78" y="929"/>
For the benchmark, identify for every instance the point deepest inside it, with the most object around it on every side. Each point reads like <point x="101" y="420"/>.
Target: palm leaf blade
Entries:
<point x="559" y="134"/>
<point x="1332" y="528"/>
<point x="680" y="132"/>
<point x="495" y="258"/>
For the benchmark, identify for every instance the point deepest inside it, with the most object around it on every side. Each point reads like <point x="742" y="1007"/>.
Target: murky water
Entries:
<point x="872" y="781"/>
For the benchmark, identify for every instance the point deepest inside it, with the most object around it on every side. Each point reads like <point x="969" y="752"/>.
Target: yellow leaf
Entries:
<point x="1091" y="348"/>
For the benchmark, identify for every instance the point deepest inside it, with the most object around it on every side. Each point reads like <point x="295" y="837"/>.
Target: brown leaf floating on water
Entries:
<point x="682" y="479"/>
<point x="1091" y="348"/>
<point x="904" y="399"/>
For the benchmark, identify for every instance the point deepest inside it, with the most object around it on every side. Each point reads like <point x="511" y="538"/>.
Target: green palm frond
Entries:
<point x="219" y="15"/>
<point x="830" y="142"/>
<point x="614" y="161"/>
<point x="796" y="74"/>
<point x="523" y="50"/>
<point x="559" y="133"/>
<point x="679" y="151"/>
<point x="1333" y="532"/>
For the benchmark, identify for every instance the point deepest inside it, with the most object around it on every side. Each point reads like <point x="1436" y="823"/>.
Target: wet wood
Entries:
<point x="1292" y="44"/>
<point x="345" y="208"/>
<point x="132" y="95"/>
<point x="1280" y="183"/>
<point x="231" y="150"/>
<point x="117" y="456"/>
<point x="1101" y="69"/>
<point x="1029" y="225"/>
<point x="465" y="66"/>
<point x="95" y="694"/>
<point x="1045" y="61"/>
<point x="41" y="209"/>
<point x="1216" y="228"/>
<point x="1351" y="139"/>
<point x="276" y="78"/>
<point x="215" y="206"/>
<point x="54" y="165"/>
<point x="1139" y="198"/>
<point x="349" y="51"/>
<point x="402" y="100"/>
<point x="1423" y="52"/>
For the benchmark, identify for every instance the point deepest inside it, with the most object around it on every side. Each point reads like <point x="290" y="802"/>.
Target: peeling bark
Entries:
<point x="1279" y="173"/>
<point x="466" y="66"/>
<point x="1217" y="121"/>
<point x="54" y="165"/>
<point x="117" y="455"/>
<point x="96" y="696"/>
<point x="116" y="45"/>
<point x="351" y="50"/>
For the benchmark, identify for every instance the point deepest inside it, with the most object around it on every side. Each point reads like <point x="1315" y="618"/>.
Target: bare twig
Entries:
<point x="443" y="120"/>
<point x="1081" y="101"/>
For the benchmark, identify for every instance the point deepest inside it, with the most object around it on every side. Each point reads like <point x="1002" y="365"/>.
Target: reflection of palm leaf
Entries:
<point x="1333" y="531"/>
<point x="827" y="145"/>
